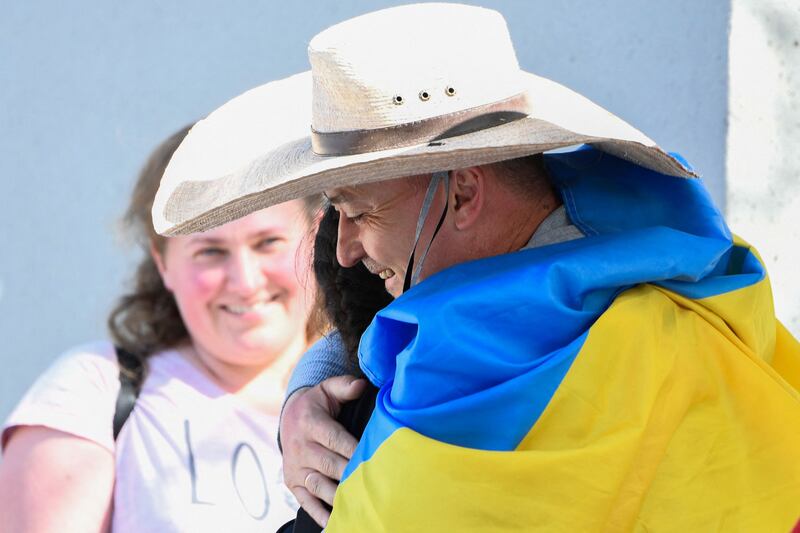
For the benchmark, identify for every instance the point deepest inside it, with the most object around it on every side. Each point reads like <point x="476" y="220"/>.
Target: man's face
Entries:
<point x="376" y="226"/>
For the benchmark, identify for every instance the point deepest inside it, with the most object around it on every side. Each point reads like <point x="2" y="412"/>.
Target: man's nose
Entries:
<point x="244" y="273"/>
<point x="348" y="247"/>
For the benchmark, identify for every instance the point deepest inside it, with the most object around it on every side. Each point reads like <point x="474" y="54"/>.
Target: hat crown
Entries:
<point x="410" y="63"/>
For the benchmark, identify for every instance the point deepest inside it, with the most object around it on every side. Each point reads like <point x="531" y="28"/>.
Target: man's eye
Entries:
<point x="356" y="218"/>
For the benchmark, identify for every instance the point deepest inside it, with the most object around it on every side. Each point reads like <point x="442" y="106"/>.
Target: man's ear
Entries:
<point x="158" y="259"/>
<point x="467" y="195"/>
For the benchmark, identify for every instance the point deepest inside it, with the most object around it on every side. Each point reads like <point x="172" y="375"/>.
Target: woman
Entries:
<point x="213" y="328"/>
<point x="348" y="299"/>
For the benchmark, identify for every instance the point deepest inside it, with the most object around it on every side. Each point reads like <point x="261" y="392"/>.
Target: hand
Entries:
<point x="316" y="448"/>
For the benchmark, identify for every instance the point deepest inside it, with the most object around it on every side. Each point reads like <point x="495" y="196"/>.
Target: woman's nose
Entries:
<point x="245" y="274"/>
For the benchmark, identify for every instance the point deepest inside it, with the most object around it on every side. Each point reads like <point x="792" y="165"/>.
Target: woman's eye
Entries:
<point x="210" y="252"/>
<point x="268" y="242"/>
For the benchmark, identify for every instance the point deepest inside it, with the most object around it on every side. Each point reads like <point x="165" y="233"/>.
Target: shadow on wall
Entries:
<point x="763" y="161"/>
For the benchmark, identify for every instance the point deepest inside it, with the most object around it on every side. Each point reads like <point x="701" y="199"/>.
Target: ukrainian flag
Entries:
<point x="633" y="380"/>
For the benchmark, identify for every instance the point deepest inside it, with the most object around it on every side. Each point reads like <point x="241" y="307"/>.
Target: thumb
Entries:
<point x="343" y="389"/>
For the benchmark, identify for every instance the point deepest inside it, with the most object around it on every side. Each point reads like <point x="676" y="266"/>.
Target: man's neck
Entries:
<point x="507" y="227"/>
<point x="521" y="221"/>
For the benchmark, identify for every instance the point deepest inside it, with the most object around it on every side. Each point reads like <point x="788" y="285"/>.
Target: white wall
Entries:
<point x="88" y="88"/>
<point x="763" y="156"/>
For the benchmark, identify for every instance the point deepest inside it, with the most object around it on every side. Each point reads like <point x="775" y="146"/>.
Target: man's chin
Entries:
<point x="394" y="285"/>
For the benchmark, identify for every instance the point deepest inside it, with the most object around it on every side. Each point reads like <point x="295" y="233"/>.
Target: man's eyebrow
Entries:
<point x="338" y="198"/>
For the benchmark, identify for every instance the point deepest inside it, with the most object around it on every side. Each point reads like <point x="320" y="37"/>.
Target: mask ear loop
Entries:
<point x="412" y="274"/>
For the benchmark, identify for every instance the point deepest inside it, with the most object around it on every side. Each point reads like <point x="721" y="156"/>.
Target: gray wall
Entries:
<point x="763" y="162"/>
<point x="88" y="88"/>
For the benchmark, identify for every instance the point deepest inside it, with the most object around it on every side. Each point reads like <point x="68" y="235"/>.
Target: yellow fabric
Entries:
<point x="677" y="415"/>
<point x="786" y="360"/>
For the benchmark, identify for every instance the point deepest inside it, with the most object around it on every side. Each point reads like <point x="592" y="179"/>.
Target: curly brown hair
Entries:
<point x="146" y="320"/>
<point x="348" y="297"/>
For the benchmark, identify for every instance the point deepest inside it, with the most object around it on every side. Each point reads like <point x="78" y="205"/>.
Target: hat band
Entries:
<point x="432" y="129"/>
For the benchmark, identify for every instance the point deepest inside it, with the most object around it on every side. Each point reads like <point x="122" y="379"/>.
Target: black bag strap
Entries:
<point x="130" y="383"/>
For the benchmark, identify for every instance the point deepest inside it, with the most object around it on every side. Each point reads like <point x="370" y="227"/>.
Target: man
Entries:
<point x="577" y="341"/>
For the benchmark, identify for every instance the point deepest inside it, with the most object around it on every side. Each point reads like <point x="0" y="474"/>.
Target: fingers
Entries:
<point x="312" y="505"/>
<point x="316" y="448"/>
<point x="320" y="459"/>
<point x="308" y="417"/>
<point x="321" y="487"/>
<point x="332" y="436"/>
<point x="341" y="389"/>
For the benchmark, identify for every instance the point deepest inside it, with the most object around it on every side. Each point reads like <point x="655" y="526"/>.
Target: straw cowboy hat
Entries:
<point x="403" y="91"/>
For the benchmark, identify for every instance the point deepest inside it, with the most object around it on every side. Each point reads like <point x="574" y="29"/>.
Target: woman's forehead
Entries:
<point x="281" y="217"/>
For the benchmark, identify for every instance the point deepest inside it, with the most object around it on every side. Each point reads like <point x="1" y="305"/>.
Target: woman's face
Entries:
<point x="241" y="288"/>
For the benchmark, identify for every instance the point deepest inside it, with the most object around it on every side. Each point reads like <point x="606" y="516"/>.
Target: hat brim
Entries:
<point x="222" y="171"/>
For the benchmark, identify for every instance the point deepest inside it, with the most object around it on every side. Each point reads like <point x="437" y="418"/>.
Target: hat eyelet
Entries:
<point x="424" y="95"/>
<point x="450" y="90"/>
<point x="398" y="100"/>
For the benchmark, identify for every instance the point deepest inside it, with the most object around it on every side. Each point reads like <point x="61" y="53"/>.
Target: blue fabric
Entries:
<point x="325" y="358"/>
<point x="472" y="355"/>
<point x="605" y="195"/>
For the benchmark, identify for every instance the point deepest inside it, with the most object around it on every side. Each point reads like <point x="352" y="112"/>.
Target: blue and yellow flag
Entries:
<point x="632" y="380"/>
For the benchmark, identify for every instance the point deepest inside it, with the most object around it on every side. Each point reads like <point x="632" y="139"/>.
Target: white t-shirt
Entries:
<point x="191" y="457"/>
